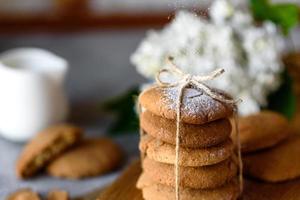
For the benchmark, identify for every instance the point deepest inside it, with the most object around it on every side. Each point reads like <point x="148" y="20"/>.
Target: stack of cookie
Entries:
<point x="208" y="167"/>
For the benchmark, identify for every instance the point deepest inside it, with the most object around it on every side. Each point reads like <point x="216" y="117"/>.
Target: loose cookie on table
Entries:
<point x="197" y="107"/>
<point x="165" y="153"/>
<point x="277" y="164"/>
<point x="262" y="130"/>
<point x="192" y="177"/>
<point x="156" y="191"/>
<point x="44" y="147"/>
<point x="23" y="194"/>
<point x="193" y="136"/>
<point x="258" y="190"/>
<point x="89" y="158"/>
<point x="58" y="195"/>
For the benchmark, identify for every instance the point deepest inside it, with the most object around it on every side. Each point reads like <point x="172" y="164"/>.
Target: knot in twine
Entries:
<point x="197" y="82"/>
<point x="193" y="80"/>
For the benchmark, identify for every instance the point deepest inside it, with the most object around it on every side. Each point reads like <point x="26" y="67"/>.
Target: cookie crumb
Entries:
<point x="58" y="194"/>
<point x="23" y="194"/>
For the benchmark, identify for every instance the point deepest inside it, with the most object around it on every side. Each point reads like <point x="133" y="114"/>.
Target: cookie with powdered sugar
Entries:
<point x="192" y="177"/>
<point x="191" y="135"/>
<point x="165" y="153"/>
<point x="197" y="107"/>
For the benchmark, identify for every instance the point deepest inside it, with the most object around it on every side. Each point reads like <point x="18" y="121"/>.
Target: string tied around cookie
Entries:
<point x="198" y="83"/>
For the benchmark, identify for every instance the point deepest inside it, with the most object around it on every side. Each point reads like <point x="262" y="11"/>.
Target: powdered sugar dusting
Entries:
<point x="195" y="103"/>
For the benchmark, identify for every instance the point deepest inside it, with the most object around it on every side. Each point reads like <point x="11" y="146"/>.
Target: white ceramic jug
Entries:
<point x="32" y="94"/>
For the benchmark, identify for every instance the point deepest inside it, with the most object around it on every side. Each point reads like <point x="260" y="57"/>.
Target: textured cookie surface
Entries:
<point x="165" y="153"/>
<point x="44" y="147"/>
<point x="23" y="194"/>
<point x="193" y="136"/>
<point x="89" y="158"/>
<point x="262" y="130"/>
<point x="192" y="177"/>
<point x="156" y="191"/>
<point x="197" y="107"/>
<point x="277" y="164"/>
<point x="58" y="195"/>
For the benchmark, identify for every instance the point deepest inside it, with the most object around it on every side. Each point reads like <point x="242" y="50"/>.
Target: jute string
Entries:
<point x="239" y="148"/>
<point x="197" y="82"/>
<point x="139" y="110"/>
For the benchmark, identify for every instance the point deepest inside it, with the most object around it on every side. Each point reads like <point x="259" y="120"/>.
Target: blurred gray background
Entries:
<point x="99" y="61"/>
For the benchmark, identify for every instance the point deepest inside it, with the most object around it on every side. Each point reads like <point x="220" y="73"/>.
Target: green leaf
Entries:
<point x="285" y="15"/>
<point x="284" y="99"/>
<point x="123" y="107"/>
<point x="260" y="9"/>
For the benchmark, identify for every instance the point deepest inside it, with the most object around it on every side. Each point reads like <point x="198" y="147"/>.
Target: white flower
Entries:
<point x="225" y="12"/>
<point x="250" y="54"/>
<point x="221" y="11"/>
<point x="251" y="106"/>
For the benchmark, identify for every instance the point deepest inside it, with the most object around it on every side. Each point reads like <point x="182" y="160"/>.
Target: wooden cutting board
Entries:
<point x="124" y="188"/>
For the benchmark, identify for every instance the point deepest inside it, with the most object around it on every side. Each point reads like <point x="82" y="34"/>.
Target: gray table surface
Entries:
<point x="42" y="183"/>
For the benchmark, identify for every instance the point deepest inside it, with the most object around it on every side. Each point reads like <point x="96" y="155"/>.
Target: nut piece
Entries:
<point x="58" y="195"/>
<point x="23" y="194"/>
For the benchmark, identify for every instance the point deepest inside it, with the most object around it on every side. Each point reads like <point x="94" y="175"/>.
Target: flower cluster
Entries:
<point x="229" y="39"/>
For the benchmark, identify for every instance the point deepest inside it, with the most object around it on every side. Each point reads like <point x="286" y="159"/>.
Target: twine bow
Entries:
<point x="188" y="79"/>
<point x="197" y="82"/>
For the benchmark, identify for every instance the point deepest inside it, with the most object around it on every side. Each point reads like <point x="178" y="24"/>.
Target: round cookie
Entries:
<point x="44" y="147"/>
<point x="156" y="191"/>
<point x="192" y="136"/>
<point x="192" y="177"/>
<point x="89" y="158"/>
<point x="165" y="153"/>
<point x="197" y="107"/>
<point x="277" y="164"/>
<point x="58" y="195"/>
<point x="262" y="130"/>
<point x="24" y="194"/>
